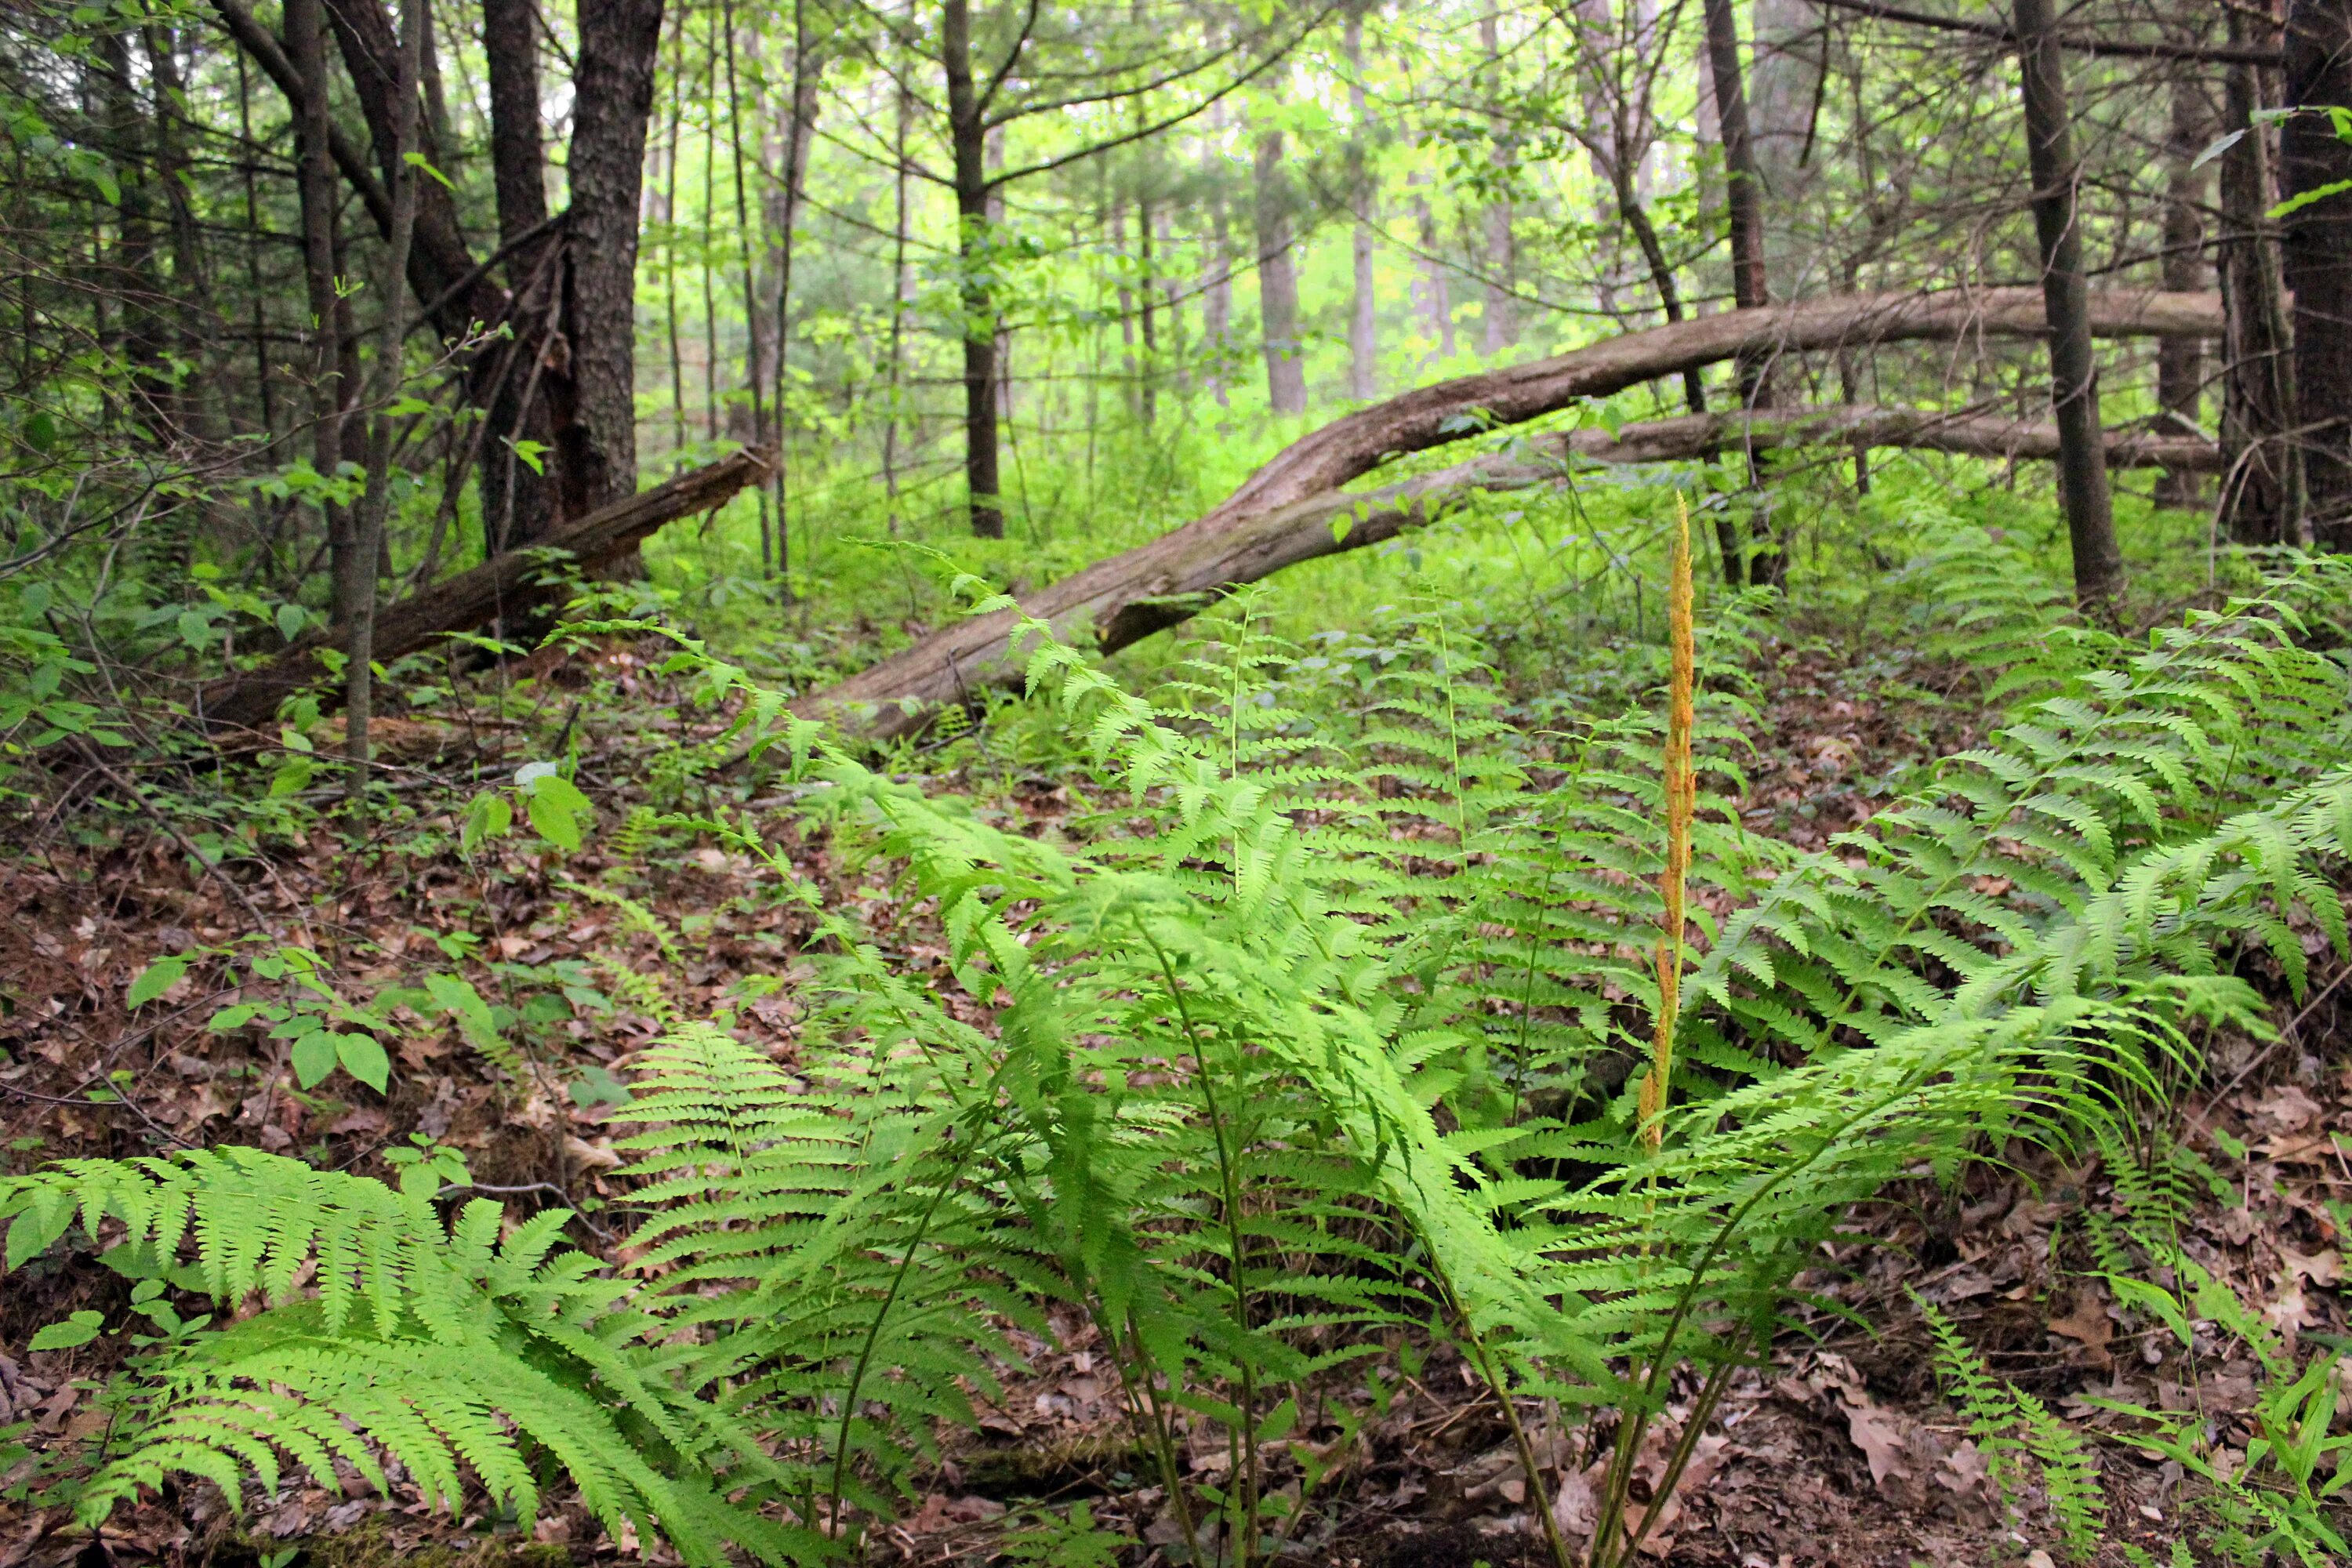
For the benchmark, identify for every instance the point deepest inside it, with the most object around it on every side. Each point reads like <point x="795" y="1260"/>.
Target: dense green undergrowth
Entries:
<point x="1320" y="1025"/>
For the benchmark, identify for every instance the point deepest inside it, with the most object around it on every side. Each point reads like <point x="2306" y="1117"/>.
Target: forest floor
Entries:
<point x="1842" y="1450"/>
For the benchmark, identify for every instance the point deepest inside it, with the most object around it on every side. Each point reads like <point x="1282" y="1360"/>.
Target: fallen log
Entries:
<point x="475" y="597"/>
<point x="1129" y="595"/>
<point x="1693" y="436"/>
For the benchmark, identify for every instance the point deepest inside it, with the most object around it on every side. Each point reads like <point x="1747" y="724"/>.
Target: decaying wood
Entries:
<point x="1116" y="601"/>
<point x="472" y="598"/>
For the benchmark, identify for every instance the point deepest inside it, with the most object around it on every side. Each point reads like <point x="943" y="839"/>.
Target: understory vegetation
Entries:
<point x="1161" y="783"/>
<point x="1368" y="1000"/>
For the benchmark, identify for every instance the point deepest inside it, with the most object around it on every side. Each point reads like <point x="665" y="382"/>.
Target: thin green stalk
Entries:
<point x="1229" y="1181"/>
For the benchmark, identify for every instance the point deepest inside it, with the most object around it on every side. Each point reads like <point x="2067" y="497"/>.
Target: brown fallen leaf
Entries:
<point x="2288" y="1106"/>
<point x="1878" y="1433"/>
<point x="2089" y="1325"/>
<point x="2324" y="1267"/>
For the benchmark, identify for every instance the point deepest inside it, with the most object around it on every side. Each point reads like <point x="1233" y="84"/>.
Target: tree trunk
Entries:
<point x="1217" y="288"/>
<point x="1277" y="279"/>
<point x="1784" y="100"/>
<point x="330" y="313"/>
<point x="1115" y="601"/>
<point x="968" y="140"/>
<point x="1763" y="562"/>
<point x="2317" y="258"/>
<point x="146" y="339"/>
<point x="2073" y="369"/>
<point x="375" y="501"/>
<point x="800" y="136"/>
<point x="1743" y="192"/>
<point x="1498" y="328"/>
<point x="518" y="504"/>
<point x="2261" y="490"/>
<point x="1435" y="296"/>
<point x="2180" y="362"/>
<point x="1363" y="319"/>
<point x="613" y="102"/>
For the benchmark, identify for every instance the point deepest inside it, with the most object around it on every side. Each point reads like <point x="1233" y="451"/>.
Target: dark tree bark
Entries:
<point x="968" y="138"/>
<point x="1744" y="191"/>
<point x="518" y="505"/>
<point x="2261" y="488"/>
<point x="188" y="291"/>
<point x="146" y="338"/>
<point x="441" y="270"/>
<point x="2073" y="369"/>
<point x="384" y="383"/>
<point x="518" y="155"/>
<point x="620" y="41"/>
<point x="2180" y="362"/>
<point x="1764" y="562"/>
<point x="2317" y="259"/>
<point x="329" y="314"/>
<point x="1277" y="279"/>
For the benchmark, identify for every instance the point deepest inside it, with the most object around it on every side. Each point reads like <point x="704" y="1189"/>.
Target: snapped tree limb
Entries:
<point x="1275" y="519"/>
<point x="471" y="598"/>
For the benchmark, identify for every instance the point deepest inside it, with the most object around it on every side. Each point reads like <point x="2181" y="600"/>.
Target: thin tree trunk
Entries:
<point x="755" y="349"/>
<point x="2180" y="362"/>
<point x="901" y="285"/>
<point x="1123" y="291"/>
<point x="2317" y="259"/>
<point x="1363" y="345"/>
<point x="798" y="136"/>
<point x="1784" y="100"/>
<point x="1217" y="291"/>
<point x="265" y="383"/>
<point x="709" y="239"/>
<point x="1498" y="328"/>
<point x="375" y="501"/>
<point x="190" y="288"/>
<point x="1277" y="277"/>
<point x="620" y="43"/>
<point x="968" y="141"/>
<point x="669" y="240"/>
<point x="1767" y="561"/>
<point x="2073" y="368"/>
<point x="329" y="312"/>
<point x="1147" y="390"/>
<point x="1435" y="297"/>
<point x="520" y="500"/>
<point x="2261" y="492"/>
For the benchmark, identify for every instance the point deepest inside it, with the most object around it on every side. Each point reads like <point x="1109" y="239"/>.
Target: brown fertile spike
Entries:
<point x="1679" y="788"/>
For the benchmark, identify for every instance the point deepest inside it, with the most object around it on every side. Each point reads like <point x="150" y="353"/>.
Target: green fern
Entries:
<point x="2010" y="1425"/>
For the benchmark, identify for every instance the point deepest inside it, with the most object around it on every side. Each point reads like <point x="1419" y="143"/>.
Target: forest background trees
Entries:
<point x="992" y="268"/>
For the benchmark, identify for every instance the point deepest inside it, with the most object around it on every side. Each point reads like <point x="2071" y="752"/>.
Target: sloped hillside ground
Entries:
<point x="1843" y="1449"/>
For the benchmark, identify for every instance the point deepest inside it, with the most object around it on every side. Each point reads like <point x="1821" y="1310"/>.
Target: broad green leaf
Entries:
<point x="314" y="1058"/>
<point x="487" y="816"/>
<point x="558" y="810"/>
<point x="77" y="1330"/>
<point x="155" y="980"/>
<point x="364" y="1060"/>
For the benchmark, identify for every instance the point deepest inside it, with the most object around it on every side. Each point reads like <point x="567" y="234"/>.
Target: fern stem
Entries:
<point x="874" y="1326"/>
<point x="1228" y="1182"/>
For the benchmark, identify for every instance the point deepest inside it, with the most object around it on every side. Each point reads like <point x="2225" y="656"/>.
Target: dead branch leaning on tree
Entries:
<point x="1117" y="600"/>
<point x="472" y="598"/>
